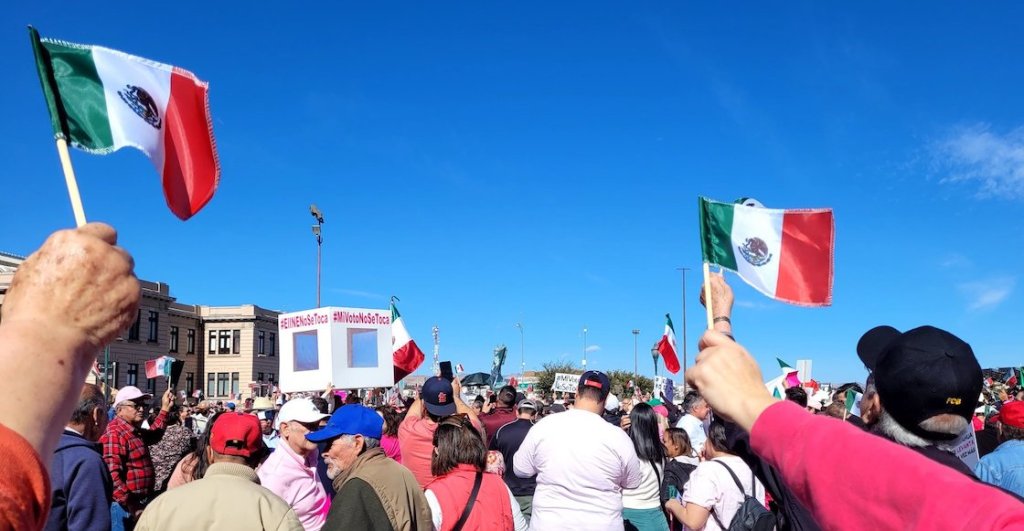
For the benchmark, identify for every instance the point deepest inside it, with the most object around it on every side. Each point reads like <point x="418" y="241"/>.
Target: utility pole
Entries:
<point x="636" y="371"/>
<point x="684" y="270"/>
<point x="318" y="232"/>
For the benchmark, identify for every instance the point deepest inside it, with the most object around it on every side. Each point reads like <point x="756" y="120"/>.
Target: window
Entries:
<point x="174" y="340"/>
<point x="234" y="383"/>
<point x="273" y="343"/>
<point x="213" y="342"/>
<point x="261" y="341"/>
<point x="270" y="378"/>
<point x="151" y="386"/>
<point x="190" y="382"/>
<point x="259" y="377"/>
<point x="133" y="332"/>
<point x="210" y="384"/>
<point x="190" y="347"/>
<point x="154" y="326"/>
<point x="222" y="384"/>
<point x="236" y="341"/>
<point x="224" y="346"/>
<point x="133" y="374"/>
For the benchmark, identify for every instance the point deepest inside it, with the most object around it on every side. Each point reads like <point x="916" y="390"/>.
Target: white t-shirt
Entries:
<point x="582" y="464"/>
<point x="712" y="488"/>
<point x="647" y="495"/>
<point x="694" y="428"/>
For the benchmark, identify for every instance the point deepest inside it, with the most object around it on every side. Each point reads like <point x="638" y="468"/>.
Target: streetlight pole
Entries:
<point x="584" y="347"/>
<point x="636" y="372"/>
<point x="522" y="351"/>
<point x="654" y="355"/>
<point x="683" y="270"/>
<point x="317" y="231"/>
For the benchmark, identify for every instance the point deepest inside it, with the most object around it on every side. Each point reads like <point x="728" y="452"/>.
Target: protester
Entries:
<point x="612" y="412"/>
<point x="835" y="483"/>
<point x="923" y="388"/>
<point x="66" y="302"/>
<point x="270" y="435"/>
<point x="127" y="455"/>
<point x="458" y="465"/>
<point x="582" y="463"/>
<point x="678" y="448"/>
<point x="712" y="497"/>
<point x="201" y="416"/>
<point x="82" y="490"/>
<point x="507" y="440"/>
<point x="695" y="411"/>
<point x="438" y="399"/>
<point x="681" y="462"/>
<point x="1005" y="466"/>
<point x="229" y="495"/>
<point x="290" y="472"/>
<point x="176" y="442"/>
<point x="389" y="438"/>
<point x="641" y="506"/>
<point x="373" y="491"/>
<point x="193" y="466"/>
<point x="797" y="395"/>
<point x="502" y="413"/>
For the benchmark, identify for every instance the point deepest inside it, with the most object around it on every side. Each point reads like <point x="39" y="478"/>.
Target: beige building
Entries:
<point x="223" y="352"/>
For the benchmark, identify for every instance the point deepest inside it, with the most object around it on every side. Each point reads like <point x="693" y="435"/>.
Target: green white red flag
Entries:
<point x="667" y="346"/>
<point x="101" y="100"/>
<point x="406" y="356"/>
<point x="785" y="254"/>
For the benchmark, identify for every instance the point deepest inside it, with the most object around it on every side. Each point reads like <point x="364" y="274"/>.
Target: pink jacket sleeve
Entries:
<point x="851" y="479"/>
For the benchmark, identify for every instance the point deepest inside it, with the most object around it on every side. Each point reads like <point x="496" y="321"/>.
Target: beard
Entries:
<point x="332" y="470"/>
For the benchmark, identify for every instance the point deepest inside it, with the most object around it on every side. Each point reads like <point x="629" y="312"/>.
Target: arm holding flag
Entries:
<point x="721" y="302"/>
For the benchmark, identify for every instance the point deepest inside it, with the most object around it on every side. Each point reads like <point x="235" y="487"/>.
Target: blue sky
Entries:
<point x="541" y="162"/>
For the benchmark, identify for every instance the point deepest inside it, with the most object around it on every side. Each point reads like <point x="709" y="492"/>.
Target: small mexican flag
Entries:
<point x="159" y="367"/>
<point x="785" y="254"/>
<point x="101" y="100"/>
<point x="853" y="402"/>
<point x="407" y="357"/>
<point x="667" y="347"/>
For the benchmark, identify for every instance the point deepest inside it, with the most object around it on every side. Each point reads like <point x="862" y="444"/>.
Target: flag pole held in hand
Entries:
<point x="707" y="296"/>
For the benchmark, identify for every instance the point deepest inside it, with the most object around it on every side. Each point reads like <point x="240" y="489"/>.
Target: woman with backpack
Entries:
<point x="721" y="489"/>
<point x="642" y="507"/>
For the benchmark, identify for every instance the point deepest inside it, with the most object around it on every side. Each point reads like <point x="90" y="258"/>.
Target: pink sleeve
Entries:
<point x="851" y="479"/>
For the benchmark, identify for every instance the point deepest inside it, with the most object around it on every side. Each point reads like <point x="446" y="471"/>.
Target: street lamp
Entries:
<point x="654" y="355"/>
<point x="636" y="372"/>
<point x="584" y="347"/>
<point x="319" y="216"/>
<point x="522" y="351"/>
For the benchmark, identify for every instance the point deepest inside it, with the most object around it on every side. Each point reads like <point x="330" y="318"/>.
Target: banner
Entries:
<point x="566" y="383"/>
<point x="966" y="447"/>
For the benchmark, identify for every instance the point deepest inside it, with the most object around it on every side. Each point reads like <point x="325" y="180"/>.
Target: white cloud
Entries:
<point x="987" y="294"/>
<point x="593" y="348"/>
<point x="955" y="261"/>
<point x="978" y="156"/>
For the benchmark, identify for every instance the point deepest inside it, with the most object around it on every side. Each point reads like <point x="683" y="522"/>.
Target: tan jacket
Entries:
<point x="228" y="497"/>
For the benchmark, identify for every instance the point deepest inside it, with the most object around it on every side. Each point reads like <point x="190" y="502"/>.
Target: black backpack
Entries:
<point x="676" y="475"/>
<point x="752" y="514"/>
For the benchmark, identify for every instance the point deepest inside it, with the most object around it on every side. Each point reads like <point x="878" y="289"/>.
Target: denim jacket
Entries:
<point x="1004" y="467"/>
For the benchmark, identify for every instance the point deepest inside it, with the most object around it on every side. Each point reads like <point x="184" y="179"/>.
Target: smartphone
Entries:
<point x="446" y="371"/>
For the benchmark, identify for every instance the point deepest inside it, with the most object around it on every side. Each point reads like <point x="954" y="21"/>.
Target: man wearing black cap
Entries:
<point x="582" y="463"/>
<point x="923" y="388"/>
<point x="438" y="398"/>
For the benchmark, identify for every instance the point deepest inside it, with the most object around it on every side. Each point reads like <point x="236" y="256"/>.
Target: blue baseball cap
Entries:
<point x="438" y="396"/>
<point x="598" y="380"/>
<point x="352" y="419"/>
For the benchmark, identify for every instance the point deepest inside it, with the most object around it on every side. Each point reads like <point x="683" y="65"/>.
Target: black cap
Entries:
<point x="874" y="342"/>
<point x="926" y="372"/>
<point x="597" y="380"/>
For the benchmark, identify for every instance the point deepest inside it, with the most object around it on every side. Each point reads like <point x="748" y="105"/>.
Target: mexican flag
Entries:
<point x="101" y="100"/>
<point x="407" y="357"/>
<point x="667" y="347"/>
<point x="159" y="367"/>
<point x="853" y="402"/>
<point x="785" y="254"/>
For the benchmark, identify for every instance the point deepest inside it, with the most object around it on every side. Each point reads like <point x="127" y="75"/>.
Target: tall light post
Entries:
<point x="319" y="216"/>
<point x="584" y="347"/>
<point x="522" y="351"/>
<point x="654" y="355"/>
<point x="683" y="270"/>
<point x="636" y="372"/>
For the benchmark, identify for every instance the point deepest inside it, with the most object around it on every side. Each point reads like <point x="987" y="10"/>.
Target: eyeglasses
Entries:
<point x="132" y="405"/>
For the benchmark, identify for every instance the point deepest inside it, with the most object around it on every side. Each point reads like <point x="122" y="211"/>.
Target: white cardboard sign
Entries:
<point x="347" y="347"/>
<point x="566" y="383"/>
<point x="966" y="446"/>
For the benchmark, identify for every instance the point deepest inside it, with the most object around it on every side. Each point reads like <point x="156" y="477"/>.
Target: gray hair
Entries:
<point x="90" y="399"/>
<point x="951" y="424"/>
<point x="691" y="400"/>
<point x="369" y="443"/>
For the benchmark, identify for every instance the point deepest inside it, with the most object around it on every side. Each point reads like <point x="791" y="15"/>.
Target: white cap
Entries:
<point x="129" y="392"/>
<point x="300" y="410"/>
<point x="611" y="403"/>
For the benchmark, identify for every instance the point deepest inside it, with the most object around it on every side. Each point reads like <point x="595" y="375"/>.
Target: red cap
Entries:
<point x="236" y="434"/>
<point x="1012" y="414"/>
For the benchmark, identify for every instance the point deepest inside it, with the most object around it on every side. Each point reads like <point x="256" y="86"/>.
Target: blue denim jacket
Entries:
<point x="1004" y="467"/>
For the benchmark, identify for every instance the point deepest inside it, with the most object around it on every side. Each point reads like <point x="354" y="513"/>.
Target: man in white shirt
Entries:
<point x="582" y="463"/>
<point x="696" y="412"/>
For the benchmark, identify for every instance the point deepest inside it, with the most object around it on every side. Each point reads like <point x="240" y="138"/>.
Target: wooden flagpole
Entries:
<point x="707" y="295"/>
<point x="69" y="179"/>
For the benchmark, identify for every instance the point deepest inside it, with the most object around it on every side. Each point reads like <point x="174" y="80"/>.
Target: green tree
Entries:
<point x="620" y="383"/>
<point x="546" y="377"/>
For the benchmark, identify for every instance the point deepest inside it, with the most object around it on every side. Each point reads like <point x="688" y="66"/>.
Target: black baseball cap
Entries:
<point x="921" y="373"/>
<point x="597" y="380"/>
<point x="438" y="396"/>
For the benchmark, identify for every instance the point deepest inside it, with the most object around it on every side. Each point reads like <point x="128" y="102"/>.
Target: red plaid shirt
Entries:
<point x="127" y="458"/>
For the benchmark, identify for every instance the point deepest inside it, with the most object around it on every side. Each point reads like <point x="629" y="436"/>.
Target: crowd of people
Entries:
<point x="732" y="456"/>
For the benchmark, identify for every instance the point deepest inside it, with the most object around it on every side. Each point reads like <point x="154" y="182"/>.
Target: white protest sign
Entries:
<point x="347" y="347"/>
<point x="659" y="385"/>
<point x="566" y="383"/>
<point x="966" y="447"/>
